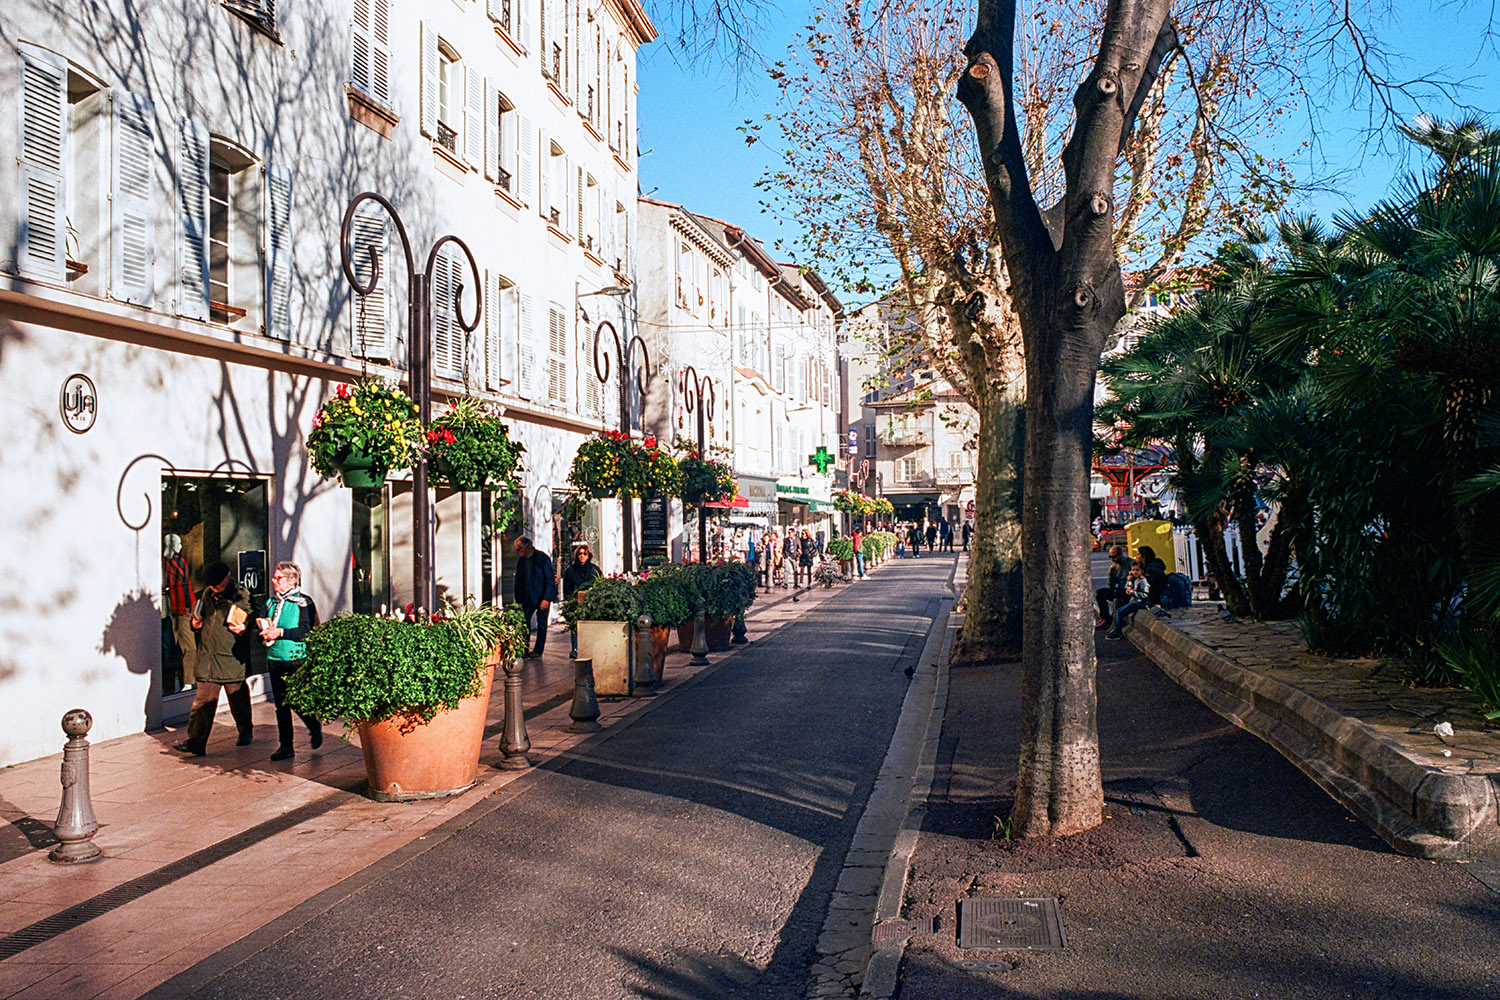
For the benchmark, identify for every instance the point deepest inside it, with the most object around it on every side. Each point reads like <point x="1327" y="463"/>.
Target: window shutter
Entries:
<point x="531" y="379"/>
<point x="371" y="326"/>
<point x="429" y="80"/>
<point x="575" y="174"/>
<point x="447" y="333"/>
<point x="509" y="336"/>
<point x="474" y="117"/>
<point x="192" y="220"/>
<point x="492" y="7"/>
<point x="526" y="158"/>
<point x="545" y="27"/>
<point x="43" y="234"/>
<point x="132" y="239"/>
<point x="279" y="258"/>
<point x="593" y="392"/>
<point x="492" y="349"/>
<point x="521" y="11"/>
<point x="557" y="355"/>
<point x="361" y="46"/>
<point x="491" y="132"/>
<point x="544" y="158"/>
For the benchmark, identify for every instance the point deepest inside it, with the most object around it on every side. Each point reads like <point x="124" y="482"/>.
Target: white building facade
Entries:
<point x="173" y="310"/>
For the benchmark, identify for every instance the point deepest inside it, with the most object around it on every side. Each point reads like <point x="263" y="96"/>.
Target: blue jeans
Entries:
<point x="1125" y="612"/>
<point x="859" y="562"/>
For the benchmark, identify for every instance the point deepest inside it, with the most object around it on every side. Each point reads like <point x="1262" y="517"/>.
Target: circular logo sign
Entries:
<point x="969" y="507"/>
<point x="78" y="403"/>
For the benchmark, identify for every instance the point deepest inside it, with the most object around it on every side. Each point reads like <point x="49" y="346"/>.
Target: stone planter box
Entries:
<point x="609" y="645"/>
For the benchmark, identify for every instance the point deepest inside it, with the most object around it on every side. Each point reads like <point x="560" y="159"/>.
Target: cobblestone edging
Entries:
<point x="1390" y="774"/>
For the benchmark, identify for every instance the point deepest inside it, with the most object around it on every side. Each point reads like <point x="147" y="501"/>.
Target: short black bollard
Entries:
<point x="700" y="636"/>
<point x="76" y="824"/>
<point x="739" y="638"/>
<point x="585" y="710"/>
<point x="514" y="742"/>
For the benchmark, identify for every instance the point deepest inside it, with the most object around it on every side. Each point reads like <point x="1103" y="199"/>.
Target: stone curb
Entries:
<point x="1416" y="808"/>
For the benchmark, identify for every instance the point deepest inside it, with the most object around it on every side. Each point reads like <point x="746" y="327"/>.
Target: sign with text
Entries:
<point x="654" y="527"/>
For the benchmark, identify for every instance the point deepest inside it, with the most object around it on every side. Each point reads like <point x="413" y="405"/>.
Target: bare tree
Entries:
<point x="874" y="174"/>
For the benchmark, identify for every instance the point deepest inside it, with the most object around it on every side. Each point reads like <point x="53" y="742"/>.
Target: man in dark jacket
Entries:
<point x="1156" y="575"/>
<point x="536" y="589"/>
<point x="219" y="619"/>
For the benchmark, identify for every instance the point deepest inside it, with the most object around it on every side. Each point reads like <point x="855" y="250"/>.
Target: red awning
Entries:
<point x="739" y="502"/>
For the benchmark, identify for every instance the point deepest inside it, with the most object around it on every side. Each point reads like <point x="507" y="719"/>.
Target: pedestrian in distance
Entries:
<point x="223" y="649"/>
<point x="945" y="534"/>
<point x="1115" y="593"/>
<point x="968" y="533"/>
<point x="289" y="616"/>
<point x="822" y="542"/>
<point x="792" y="551"/>
<point x="581" y="572"/>
<point x="806" y="555"/>
<point x="858" y="539"/>
<point x="536" y="589"/>
<point x="914" y="540"/>
<point x="932" y="533"/>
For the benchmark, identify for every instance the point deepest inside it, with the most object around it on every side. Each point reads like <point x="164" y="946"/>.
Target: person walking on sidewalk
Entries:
<point x="219" y="619"/>
<point x="1119" y="573"/>
<point x="968" y="533"/>
<point x="792" y="550"/>
<point x="536" y="589"/>
<point x="914" y="540"/>
<point x="580" y="574"/>
<point x="290" y="615"/>
<point x="858" y="539"/>
<point x="945" y="533"/>
<point x="807" y="553"/>
<point x="932" y="532"/>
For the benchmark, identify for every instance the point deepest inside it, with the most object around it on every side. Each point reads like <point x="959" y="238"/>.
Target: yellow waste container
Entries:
<point x="1157" y="534"/>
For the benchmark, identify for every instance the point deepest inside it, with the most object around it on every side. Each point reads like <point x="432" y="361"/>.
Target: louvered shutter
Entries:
<point x="43" y="235"/>
<point x="491" y="132"/>
<point x="557" y="355"/>
<point x="544" y="172"/>
<point x="532" y="380"/>
<point x="429" y="66"/>
<point x="132" y="242"/>
<point x="492" y="349"/>
<point x="447" y="333"/>
<point x="494" y="9"/>
<point x="510" y="329"/>
<point x="192" y="220"/>
<point x="370" y="41"/>
<point x="279" y="257"/>
<point x="593" y="392"/>
<point x="575" y="174"/>
<point x="371" y="319"/>
<point x="545" y="26"/>
<point x="521" y="11"/>
<point x="473" y="117"/>
<point x="526" y="158"/>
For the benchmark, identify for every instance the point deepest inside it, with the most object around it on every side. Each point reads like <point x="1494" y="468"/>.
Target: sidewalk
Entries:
<point x="199" y="852"/>
<point x="1219" y="871"/>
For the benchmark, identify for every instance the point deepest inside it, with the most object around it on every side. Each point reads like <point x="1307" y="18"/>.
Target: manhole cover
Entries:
<point x="1009" y="924"/>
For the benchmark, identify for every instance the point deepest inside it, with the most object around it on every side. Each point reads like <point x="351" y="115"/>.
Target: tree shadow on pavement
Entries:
<point x="688" y="975"/>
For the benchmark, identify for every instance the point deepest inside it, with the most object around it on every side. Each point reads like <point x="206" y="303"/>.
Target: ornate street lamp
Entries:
<point x="623" y="356"/>
<point x="418" y="363"/>
<point x="698" y="394"/>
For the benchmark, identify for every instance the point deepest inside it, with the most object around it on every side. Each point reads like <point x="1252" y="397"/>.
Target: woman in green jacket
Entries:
<point x="290" y="614"/>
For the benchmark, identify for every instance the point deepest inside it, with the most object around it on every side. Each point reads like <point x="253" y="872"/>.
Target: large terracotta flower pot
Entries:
<point x="717" y="631"/>
<point x="407" y="759"/>
<point x="661" y="637"/>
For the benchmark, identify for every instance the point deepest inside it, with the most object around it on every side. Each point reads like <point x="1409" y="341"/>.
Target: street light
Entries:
<point x="623" y="355"/>
<point x="418" y="363"/>
<point x="693" y="390"/>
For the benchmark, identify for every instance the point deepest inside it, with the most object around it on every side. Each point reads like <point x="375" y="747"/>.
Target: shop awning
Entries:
<point x="911" y="498"/>
<point x="738" y="503"/>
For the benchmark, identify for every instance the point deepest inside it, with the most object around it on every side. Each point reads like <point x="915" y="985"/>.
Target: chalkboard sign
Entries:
<point x="654" y="526"/>
<point x="252" y="573"/>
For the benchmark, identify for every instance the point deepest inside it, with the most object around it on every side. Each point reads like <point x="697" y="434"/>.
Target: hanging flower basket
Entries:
<point x="884" y="507"/>
<point x="470" y="448"/>
<point x="365" y="430"/>
<point x="851" y="502"/>
<point x="705" y="480"/>
<point x="612" y="464"/>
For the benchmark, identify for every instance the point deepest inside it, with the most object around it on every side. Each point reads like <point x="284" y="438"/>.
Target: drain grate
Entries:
<point x="1009" y="924"/>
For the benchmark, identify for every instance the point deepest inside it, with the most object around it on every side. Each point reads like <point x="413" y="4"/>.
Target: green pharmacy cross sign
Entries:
<point x="821" y="459"/>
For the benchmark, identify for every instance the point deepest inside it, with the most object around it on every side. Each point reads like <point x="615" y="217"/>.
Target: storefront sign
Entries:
<point x="252" y="572"/>
<point x="654" y="527"/>
<point x="78" y="403"/>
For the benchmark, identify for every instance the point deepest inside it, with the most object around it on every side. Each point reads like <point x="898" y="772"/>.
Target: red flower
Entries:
<point x="448" y="437"/>
<point x="343" y="390"/>
<point x="650" y="441"/>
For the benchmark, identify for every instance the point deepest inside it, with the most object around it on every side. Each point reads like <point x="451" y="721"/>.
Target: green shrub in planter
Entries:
<point x="608" y="599"/>
<point x="363" y="668"/>
<point x="728" y="588"/>
<point x="667" y="596"/>
<point x="841" y="549"/>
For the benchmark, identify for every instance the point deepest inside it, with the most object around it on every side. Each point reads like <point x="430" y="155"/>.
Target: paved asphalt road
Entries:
<point x="691" y="854"/>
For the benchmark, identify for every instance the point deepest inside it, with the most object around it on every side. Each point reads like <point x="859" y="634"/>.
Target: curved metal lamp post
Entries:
<point x="623" y="355"/>
<point x="418" y="362"/>
<point x="698" y="395"/>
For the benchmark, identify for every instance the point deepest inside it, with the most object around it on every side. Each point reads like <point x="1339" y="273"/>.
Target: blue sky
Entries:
<point x="693" y="152"/>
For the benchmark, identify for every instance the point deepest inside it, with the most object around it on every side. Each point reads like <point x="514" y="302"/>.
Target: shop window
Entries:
<point x="208" y="519"/>
<point x="370" y="530"/>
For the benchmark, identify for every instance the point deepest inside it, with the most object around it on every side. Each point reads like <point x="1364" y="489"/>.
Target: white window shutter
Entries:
<point x="531" y="380"/>
<point x="526" y="158"/>
<point x="429" y="80"/>
<point x="557" y="355"/>
<point x="492" y="8"/>
<point x="279" y="258"/>
<point x="132" y="247"/>
<point x="492" y="368"/>
<point x="521" y="11"/>
<point x="545" y="27"/>
<point x="509" y="337"/>
<point x="361" y="46"/>
<point x="371" y="321"/>
<point x="544" y="158"/>
<point x="491" y="131"/>
<point x="43" y="235"/>
<point x="593" y="392"/>
<point x="192" y="220"/>
<point x="474" y="121"/>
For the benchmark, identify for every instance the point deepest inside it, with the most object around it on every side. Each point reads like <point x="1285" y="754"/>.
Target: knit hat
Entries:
<point x="215" y="573"/>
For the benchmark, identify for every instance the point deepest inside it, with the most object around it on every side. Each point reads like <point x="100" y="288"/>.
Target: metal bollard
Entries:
<point x="739" y="637"/>
<point x="640" y="649"/>
<point x="514" y="742"/>
<point x="585" y="710"/>
<point x="700" y="636"/>
<point x="76" y="824"/>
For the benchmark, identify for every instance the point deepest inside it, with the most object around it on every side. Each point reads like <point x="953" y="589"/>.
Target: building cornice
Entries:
<point x="633" y="16"/>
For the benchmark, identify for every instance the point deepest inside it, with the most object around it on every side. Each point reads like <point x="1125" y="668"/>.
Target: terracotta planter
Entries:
<point x="406" y="759"/>
<point x="717" y="631"/>
<point x="661" y="637"/>
<point x="685" y="637"/>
